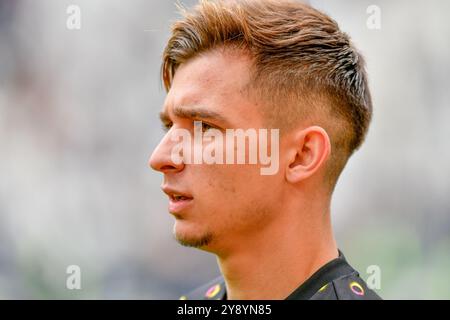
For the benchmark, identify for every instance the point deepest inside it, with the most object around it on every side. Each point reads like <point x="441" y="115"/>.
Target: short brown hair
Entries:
<point x="303" y="65"/>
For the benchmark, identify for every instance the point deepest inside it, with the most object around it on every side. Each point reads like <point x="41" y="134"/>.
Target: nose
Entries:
<point x="161" y="158"/>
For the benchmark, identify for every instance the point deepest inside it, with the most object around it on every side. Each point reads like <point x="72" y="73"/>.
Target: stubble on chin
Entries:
<point x="193" y="241"/>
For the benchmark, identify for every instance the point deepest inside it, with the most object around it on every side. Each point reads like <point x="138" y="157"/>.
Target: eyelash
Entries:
<point x="205" y="126"/>
<point x="166" y="126"/>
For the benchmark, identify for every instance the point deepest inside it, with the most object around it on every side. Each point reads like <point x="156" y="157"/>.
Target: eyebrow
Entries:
<point x="193" y="113"/>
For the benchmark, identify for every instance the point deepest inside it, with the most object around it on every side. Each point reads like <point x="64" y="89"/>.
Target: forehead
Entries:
<point x="216" y="80"/>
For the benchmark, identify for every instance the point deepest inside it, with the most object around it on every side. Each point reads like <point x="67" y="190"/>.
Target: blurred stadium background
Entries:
<point x="78" y="120"/>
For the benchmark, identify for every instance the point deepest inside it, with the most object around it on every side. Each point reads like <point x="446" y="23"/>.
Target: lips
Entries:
<point x="176" y="195"/>
<point x="179" y="201"/>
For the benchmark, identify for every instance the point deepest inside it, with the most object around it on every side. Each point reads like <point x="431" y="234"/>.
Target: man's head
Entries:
<point x="259" y="64"/>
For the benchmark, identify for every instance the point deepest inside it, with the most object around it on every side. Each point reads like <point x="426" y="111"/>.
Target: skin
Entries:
<point x="269" y="233"/>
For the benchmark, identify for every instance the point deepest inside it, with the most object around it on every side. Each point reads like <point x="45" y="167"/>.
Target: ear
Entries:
<point x="311" y="149"/>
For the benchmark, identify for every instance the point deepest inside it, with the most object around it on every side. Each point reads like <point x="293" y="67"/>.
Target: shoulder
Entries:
<point x="212" y="290"/>
<point x="348" y="287"/>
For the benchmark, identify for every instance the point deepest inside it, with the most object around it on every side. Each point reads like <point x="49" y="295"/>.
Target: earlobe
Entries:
<point x="312" y="149"/>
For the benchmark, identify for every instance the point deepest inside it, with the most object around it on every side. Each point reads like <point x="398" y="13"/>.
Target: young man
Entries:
<point x="270" y="65"/>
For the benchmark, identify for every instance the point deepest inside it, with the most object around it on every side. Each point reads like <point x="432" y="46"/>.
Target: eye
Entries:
<point x="206" y="126"/>
<point x="166" y="126"/>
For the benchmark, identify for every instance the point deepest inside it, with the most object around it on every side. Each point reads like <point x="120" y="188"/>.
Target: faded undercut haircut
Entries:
<point x="304" y="68"/>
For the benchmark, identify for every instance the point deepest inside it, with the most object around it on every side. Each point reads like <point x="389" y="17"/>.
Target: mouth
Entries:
<point x="178" y="201"/>
<point x="179" y="197"/>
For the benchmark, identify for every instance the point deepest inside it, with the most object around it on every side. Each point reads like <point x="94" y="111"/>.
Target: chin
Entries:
<point x="189" y="236"/>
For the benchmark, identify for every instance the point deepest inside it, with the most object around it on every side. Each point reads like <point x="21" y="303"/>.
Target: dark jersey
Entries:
<point x="336" y="280"/>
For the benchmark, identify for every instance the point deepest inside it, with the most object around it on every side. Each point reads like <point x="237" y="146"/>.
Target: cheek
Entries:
<point x="221" y="183"/>
<point x="233" y="187"/>
<point x="234" y="198"/>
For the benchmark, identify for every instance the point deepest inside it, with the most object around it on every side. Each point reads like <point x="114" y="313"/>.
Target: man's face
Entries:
<point x="223" y="203"/>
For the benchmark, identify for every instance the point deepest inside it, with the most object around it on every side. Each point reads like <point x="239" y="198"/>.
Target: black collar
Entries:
<point x="334" y="269"/>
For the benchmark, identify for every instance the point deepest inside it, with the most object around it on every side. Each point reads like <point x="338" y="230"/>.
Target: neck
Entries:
<point x="279" y="258"/>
